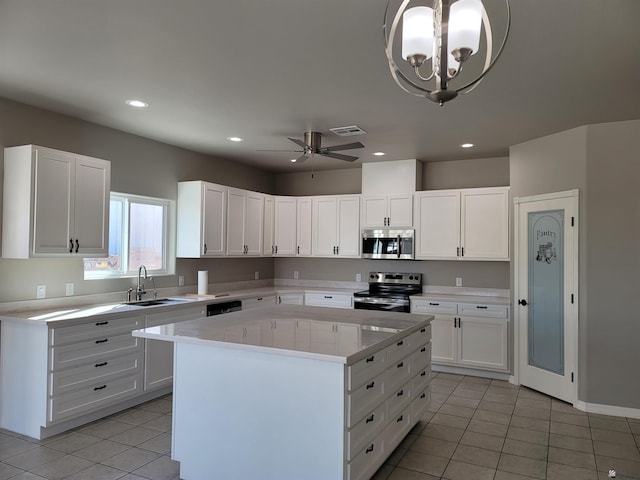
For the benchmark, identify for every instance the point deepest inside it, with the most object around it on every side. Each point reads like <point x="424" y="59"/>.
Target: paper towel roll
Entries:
<point x="203" y="282"/>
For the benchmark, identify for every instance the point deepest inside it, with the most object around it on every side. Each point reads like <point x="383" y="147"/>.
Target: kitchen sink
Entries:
<point x="157" y="301"/>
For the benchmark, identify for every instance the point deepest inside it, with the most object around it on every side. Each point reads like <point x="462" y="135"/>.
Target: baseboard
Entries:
<point x="472" y="372"/>
<point x="608" y="409"/>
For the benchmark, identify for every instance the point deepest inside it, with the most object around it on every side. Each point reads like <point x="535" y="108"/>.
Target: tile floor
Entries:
<point x="480" y="429"/>
<point x="476" y="429"/>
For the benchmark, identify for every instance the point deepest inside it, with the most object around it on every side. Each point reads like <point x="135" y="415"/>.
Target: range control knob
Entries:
<point x="410" y="277"/>
<point x="372" y="276"/>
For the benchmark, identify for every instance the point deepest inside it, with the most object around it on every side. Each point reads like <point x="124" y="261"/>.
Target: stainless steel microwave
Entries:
<point x="389" y="244"/>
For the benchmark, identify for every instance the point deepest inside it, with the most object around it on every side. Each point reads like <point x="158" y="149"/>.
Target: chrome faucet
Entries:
<point x="140" y="289"/>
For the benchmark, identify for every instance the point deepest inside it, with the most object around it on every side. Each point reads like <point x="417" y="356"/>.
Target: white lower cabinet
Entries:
<point x="158" y="355"/>
<point x="466" y="334"/>
<point x="387" y="394"/>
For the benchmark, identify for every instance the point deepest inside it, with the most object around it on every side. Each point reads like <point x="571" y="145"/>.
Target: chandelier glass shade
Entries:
<point x="429" y="45"/>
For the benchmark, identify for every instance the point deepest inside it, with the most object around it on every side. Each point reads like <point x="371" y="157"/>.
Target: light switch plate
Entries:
<point x="181" y="280"/>
<point x="458" y="281"/>
<point x="257" y="275"/>
<point x="41" y="291"/>
<point x="69" y="289"/>
<point x="295" y="274"/>
<point x="358" y="277"/>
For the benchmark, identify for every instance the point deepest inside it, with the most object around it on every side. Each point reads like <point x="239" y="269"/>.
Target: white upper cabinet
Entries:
<point x="387" y="210"/>
<point x="335" y="226"/>
<point x="285" y="226"/>
<point x="202" y="209"/>
<point x="55" y="204"/>
<point x="268" y="229"/>
<point x="469" y="224"/>
<point x="303" y="226"/>
<point x="245" y="211"/>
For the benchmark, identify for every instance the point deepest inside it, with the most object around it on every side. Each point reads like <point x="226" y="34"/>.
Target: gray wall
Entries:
<point x="140" y="166"/>
<point x="602" y="162"/>
<point x="435" y="176"/>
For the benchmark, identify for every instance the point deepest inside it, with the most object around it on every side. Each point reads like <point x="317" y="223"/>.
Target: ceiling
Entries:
<point x="267" y="70"/>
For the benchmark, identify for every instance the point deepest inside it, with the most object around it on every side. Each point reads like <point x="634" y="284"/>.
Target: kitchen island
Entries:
<point x="292" y="392"/>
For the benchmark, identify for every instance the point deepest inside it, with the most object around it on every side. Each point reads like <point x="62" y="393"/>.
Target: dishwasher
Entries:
<point x="223" y="307"/>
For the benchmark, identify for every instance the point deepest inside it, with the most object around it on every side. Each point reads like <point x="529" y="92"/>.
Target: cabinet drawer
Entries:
<point x="421" y="337"/>
<point x="366" y="462"/>
<point x="364" y="431"/>
<point x="398" y="374"/>
<point x="399" y="426"/>
<point x="366" y="369"/>
<point x="94" y="351"/>
<point x="100" y="372"/>
<point x="399" y="399"/>
<point x="329" y="300"/>
<point x="397" y="351"/>
<point x="258" y="302"/>
<point x="100" y="327"/>
<point x="434" y="307"/>
<point x="364" y="399"/>
<point x="480" y="310"/>
<point x="420" y="404"/>
<point x="421" y="381"/>
<point x="92" y="397"/>
<point x="420" y="359"/>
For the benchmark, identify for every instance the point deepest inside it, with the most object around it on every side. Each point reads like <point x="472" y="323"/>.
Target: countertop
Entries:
<point x="330" y="334"/>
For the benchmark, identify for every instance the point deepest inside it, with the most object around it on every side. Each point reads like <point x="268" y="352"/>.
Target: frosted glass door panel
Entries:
<point x="546" y="281"/>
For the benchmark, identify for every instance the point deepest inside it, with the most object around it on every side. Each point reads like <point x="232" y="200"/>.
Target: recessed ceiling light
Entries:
<point x="379" y="154"/>
<point x="467" y="145"/>
<point x="234" y="139"/>
<point x="136" y="103"/>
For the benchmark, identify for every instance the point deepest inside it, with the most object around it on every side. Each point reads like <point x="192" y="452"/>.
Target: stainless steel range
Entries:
<point x="388" y="291"/>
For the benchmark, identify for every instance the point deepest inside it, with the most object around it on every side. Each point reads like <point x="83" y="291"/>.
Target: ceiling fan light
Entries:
<point x="417" y="33"/>
<point x="465" y="23"/>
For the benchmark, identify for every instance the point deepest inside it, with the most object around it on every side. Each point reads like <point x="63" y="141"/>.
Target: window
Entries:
<point x="140" y="231"/>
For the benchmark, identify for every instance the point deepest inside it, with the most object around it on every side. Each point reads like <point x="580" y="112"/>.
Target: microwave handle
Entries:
<point x="399" y="247"/>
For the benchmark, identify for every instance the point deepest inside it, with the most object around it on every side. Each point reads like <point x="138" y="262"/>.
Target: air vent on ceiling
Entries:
<point x="348" y="131"/>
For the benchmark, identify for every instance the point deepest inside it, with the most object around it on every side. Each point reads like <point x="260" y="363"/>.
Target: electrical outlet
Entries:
<point x="257" y="275"/>
<point x="41" y="291"/>
<point x="69" y="289"/>
<point x="295" y="274"/>
<point x="181" y="280"/>
<point x="358" y="277"/>
<point x="458" y="281"/>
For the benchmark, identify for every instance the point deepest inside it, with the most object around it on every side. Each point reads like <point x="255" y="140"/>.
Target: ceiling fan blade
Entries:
<point x="300" y="143"/>
<point x="346" y="146"/>
<point x="302" y="158"/>
<point x="339" y="156"/>
<point x="262" y="150"/>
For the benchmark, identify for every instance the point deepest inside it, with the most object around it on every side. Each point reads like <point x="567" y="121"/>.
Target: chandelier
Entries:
<point x="438" y="45"/>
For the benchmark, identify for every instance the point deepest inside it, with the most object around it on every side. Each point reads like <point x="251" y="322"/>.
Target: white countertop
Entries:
<point x="330" y="334"/>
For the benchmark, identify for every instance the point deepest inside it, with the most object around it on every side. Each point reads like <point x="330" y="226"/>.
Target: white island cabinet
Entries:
<point x="289" y="392"/>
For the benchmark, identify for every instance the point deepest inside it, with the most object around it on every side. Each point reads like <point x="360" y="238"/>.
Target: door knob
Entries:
<point x="523" y="302"/>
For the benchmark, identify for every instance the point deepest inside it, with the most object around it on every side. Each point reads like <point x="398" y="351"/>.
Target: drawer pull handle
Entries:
<point x="99" y="388"/>
<point x="370" y="449"/>
<point x="424" y="395"/>
<point x="400" y="343"/>
<point x="482" y="307"/>
<point x="328" y="296"/>
<point x="103" y="364"/>
<point x="423" y="349"/>
<point x="99" y="324"/>
<point x="370" y="385"/>
<point x="259" y="299"/>
<point x="369" y="419"/>
<point x="400" y="365"/>
<point x="400" y="393"/>
<point x="434" y="304"/>
<point x="371" y="359"/>
<point x="423" y="374"/>
<point x="400" y="418"/>
<point x="102" y="341"/>
<point x="422" y="330"/>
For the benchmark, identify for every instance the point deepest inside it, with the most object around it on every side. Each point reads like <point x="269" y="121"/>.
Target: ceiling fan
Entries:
<point x="311" y="145"/>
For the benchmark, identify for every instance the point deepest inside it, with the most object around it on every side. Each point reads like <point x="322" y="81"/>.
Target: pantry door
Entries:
<point x="546" y="293"/>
